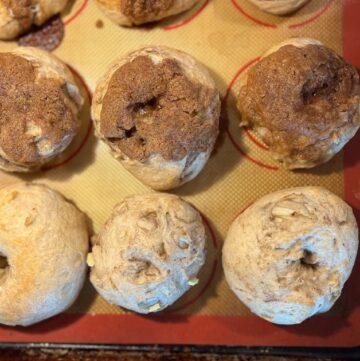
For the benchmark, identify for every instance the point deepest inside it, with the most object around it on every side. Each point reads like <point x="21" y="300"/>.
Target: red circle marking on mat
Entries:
<point x="254" y="140"/>
<point x="314" y="17"/>
<point x="213" y="270"/>
<point x="250" y="17"/>
<point x="225" y="99"/>
<point x="189" y="19"/>
<point x="239" y="72"/>
<point x="77" y="13"/>
<point x="88" y="132"/>
<point x="251" y="159"/>
<point x="242" y="211"/>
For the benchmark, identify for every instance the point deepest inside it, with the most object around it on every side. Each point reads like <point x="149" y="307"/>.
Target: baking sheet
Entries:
<point x="228" y="36"/>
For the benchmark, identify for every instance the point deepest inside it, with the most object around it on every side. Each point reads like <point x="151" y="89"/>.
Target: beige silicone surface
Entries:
<point x="225" y="40"/>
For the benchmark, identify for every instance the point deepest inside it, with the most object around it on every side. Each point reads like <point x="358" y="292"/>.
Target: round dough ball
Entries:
<point x="289" y="254"/>
<point x="40" y="105"/>
<point x="149" y="252"/>
<point x="303" y="100"/>
<point x="279" y="7"/>
<point x="137" y="12"/>
<point x="158" y="110"/>
<point x="17" y="16"/>
<point x="43" y="247"/>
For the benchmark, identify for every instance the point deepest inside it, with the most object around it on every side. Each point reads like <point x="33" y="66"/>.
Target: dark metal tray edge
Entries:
<point x="350" y="353"/>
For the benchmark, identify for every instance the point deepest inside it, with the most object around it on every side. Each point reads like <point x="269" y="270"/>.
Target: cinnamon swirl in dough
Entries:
<point x="40" y="104"/>
<point x="17" y="16"/>
<point x="43" y="246"/>
<point x="149" y="252"/>
<point x="279" y="7"/>
<point x="303" y="100"/>
<point x="289" y="254"/>
<point x="137" y="12"/>
<point x="158" y="110"/>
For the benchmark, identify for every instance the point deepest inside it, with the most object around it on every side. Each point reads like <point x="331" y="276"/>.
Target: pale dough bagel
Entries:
<point x="44" y="239"/>
<point x="289" y="254"/>
<point x="17" y="16"/>
<point x="303" y="100"/>
<point x="279" y="7"/>
<point x="158" y="109"/>
<point x="148" y="253"/>
<point x="137" y="12"/>
<point x="35" y="132"/>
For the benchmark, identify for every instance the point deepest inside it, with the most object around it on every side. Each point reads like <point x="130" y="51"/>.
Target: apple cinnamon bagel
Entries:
<point x="137" y="12"/>
<point x="149" y="252"/>
<point x="303" y="100"/>
<point x="17" y="16"/>
<point x="40" y="104"/>
<point x="289" y="254"/>
<point x="158" y="110"/>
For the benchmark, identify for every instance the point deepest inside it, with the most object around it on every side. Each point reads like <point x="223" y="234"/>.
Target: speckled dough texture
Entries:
<point x="158" y="162"/>
<point x="149" y="252"/>
<point x="137" y="12"/>
<point x="279" y="7"/>
<point x="303" y="100"/>
<point x="40" y="109"/>
<point x="45" y="240"/>
<point x="17" y="16"/>
<point x="289" y="254"/>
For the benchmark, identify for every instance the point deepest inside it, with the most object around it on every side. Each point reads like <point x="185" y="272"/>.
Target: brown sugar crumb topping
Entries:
<point x="21" y="10"/>
<point x="154" y="108"/>
<point x="141" y="10"/>
<point x="31" y="110"/>
<point x="47" y="36"/>
<point x="299" y="95"/>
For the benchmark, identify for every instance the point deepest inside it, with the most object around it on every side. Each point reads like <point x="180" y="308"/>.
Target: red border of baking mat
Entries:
<point x="224" y="330"/>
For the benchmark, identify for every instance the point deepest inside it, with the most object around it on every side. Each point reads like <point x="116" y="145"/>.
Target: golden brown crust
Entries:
<point x="33" y="110"/>
<point x="155" y="109"/>
<point x="140" y="10"/>
<point x="298" y="95"/>
<point x="45" y="240"/>
<point x="21" y="11"/>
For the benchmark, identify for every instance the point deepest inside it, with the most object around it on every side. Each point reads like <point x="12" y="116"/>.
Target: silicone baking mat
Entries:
<point x="228" y="36"/>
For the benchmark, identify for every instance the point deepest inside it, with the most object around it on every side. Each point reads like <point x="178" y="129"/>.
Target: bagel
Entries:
<point x="289" y="254"/>
<point x="43" y="247"/>
<point x="149" y="252"/>
<point x="303" y="100"/>
<point x="40" y="105"/>
<point x="158" y="110"/>
<point x="137" y="12"/>
<point x="17" y="16"/>
<point x="279" y="7"/>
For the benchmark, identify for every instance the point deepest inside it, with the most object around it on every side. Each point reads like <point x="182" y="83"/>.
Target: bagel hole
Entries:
<point x="145" y="109"/>
<point x="309" y="259"/>
<point x="4" y="265"/>
<point x="3" y="262"/>
<point x="130" y="132"/>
